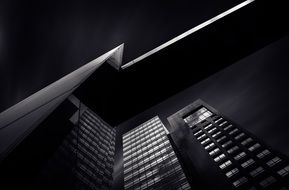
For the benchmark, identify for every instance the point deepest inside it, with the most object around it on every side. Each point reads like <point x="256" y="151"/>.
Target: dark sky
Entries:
<point x="41" y="41"/>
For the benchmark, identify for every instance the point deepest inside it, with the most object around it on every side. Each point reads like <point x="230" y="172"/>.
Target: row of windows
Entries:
<point x="148" y="141"/>
<point x="92" y="127"/>
<point x="105" y="128"/>
<point x="174" y="173"/>
<point x="148" y="155"/>
<point x="146" y="171"/>
<point x="92" y="146"/>
<point x="143" y="126"/>
<point x="97" y="142"/>
<point x="146" y="163"/>
<point x="96" y="134"/>
<point x="223" y="141"/>
<point x="99" y="122"/>
<point x="197" y="117"/>
<point x="148" y="129"/>
<point x="140" y="151"/>
<point x="143" y="137"/>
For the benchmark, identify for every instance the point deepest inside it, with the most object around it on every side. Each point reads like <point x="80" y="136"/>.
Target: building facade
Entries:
<point x="242" y="159"/>
<point x="85" y="158"/>
<point x="149" y="159"/>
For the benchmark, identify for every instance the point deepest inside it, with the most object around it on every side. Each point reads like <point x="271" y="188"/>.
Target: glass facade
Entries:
<point x="149" y="159"/>
<point x="86" y="155"/>
<point x="245" y="161"/>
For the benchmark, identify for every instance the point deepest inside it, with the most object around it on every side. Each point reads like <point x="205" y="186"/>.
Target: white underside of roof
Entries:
<point x="187" y="33"/>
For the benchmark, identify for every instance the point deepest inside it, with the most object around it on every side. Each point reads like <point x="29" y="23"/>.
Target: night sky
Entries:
<point x="41" y="41"/>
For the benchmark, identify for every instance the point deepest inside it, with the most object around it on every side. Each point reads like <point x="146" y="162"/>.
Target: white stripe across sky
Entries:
<point x="183" y="35"/>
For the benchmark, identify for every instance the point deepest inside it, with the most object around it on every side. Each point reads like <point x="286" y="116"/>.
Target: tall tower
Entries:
<point x="85" y="158"/>
<point x="149" y="159"/>
<point x="238" y="156"/>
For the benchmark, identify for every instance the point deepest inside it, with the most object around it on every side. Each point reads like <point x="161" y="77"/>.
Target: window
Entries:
<point x="257" y="171"/>
<point x="233" y="149"/>
<point x="263" y="153"/>
<point x="218" y="120"/>
<point x="254" y="147"/>
<point x="223" y="123"/>
<point x="268" y="181"/>
<point x="198" y="132"/>
<point x="225" y="164"/>
<point x="202" y="136"/>
<point x="247" y="163"/>
<point x="234" y="131"/>
<point x="240" y="136"/>
<point x="205" y="141"/>
<point x="228" y="127"/>
<point x="198" y="116"/>
<point x="239" y="156"/>
<point x="214" y="152"/>
<point x="273" y="161"/>
<point x="284" y="171"/>
<point x="221" y="138"/>
<point x="219" y="158"/>
<point x="212" y="130"/>
<point x="240" y="181"/>
<point x="209" y="146"/>
<point x="227" y="144"/>
<point x="247" y="141"/>
<point x="232" y="172"/>
<point x="216" y="134"/>
<point x="208" y="126"/>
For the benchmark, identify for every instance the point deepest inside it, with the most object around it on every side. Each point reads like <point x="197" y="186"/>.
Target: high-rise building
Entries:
<point x="149" y="159"/>
<point x="93" y="142"/>
<point x="85" y="157"/>
<point x="51" y="140"/>
<point x="243" y="159"/>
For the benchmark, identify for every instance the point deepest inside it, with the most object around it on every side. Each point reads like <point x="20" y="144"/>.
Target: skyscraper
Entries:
<point x="243" y="159"/>
<point x="149" y="159"/>
<point x="85" y="158"/>
<point x="51" y="140"/>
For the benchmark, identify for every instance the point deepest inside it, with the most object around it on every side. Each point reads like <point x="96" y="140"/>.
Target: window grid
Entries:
<point x="223" y="141"/>
<point x="145" y="152"/>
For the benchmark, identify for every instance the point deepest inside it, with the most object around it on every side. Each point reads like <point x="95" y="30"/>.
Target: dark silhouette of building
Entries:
<point x="149" y="159"/>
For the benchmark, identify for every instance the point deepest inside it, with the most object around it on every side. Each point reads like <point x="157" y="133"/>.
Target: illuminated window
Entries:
<point x="233" y="149"/>
<point x="268" y="181"/>
<point x="240" y="136"/>
<point x="257" y="171"/>
<point x="219" y="158"/>
<point x="239" y="156"/>
<point x="232" y="172"/>
<point x="214" y="152"/>
<point x="227" y="144"/>
<point x="254" y="147"/>
<point x="284" y="171"/>
<point x="216" y="134"/>
<point x="247" y="163"/>
<point x="198" y="116"/>
<point x="240" y="181"/>
<point x="247" y="141"/>
<point x="209" y="146"/>
<point x="263" y="153"/>
<point x="225" y="164"/>
<point x="274" y="161"/>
